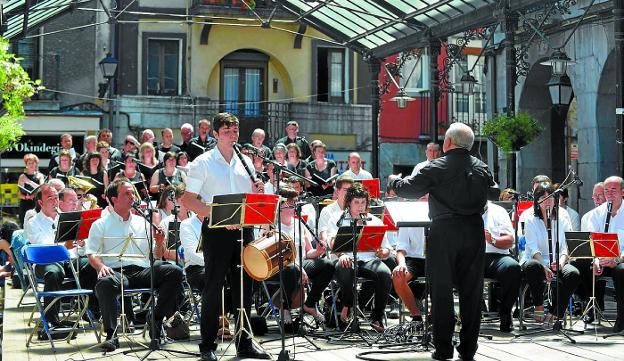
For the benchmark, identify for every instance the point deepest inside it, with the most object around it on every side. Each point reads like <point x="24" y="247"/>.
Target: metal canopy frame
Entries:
<point x="22" y="16"/>
<point x="379" y="28"/>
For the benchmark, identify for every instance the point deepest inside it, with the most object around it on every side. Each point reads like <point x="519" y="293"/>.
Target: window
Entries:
<point x="331" y="75"/>
<point x="28" y="50"/>
<point x="164" y="71"/>
<point x="243" y="83"/>
<point x="419" y="80"/>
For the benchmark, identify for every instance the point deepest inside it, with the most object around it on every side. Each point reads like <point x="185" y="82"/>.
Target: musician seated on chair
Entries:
<point x="317" y="270"/>
<point x="499" y="264"/>
<point x="410" y="265"/>
<point x="179" y="213"/>
<point x="124" y="233"/>
<point x="539" y="259"/>
<point x="370" y="264"/>
<point x="597" y="222"/>
<point x="343" y="183"/>
<point x="41" y="229"/>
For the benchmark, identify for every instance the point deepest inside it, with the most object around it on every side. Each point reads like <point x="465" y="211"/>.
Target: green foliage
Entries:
<point x="511" y="133"/>
<point x="15" y="87"/>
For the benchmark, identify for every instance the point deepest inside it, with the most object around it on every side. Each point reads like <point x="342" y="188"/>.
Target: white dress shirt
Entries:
<point x="293" y="232"/>
<point x="411" y="240"/>
<point x="528" y="214"/>
<point x="326" y="214"/>
<point x="332" y="230"/>
<point x="575" y="219"/>
<point x="190" y="233"/>
<point x="497" y="222"/>
<point x="41" y="229"/>
<point x="211" y="175"/>
<point x="537" y="239"/>
<point x="597" y="218"/>
<point x="112" y="235"/>
<point x="363" y="174"/>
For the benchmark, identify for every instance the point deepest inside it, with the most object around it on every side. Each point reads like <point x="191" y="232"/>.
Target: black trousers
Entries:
<point x="456" y="252"/>
<point x="320" y="271"/>
<point x="222" y="256"/>
<point x="508" y="273"/>
<point x="291" y="279"/>
<point x="374" y="270"/>
<point x="53" y="276"/>
<point x="167" y="280"/>
<point x="196" y="277"/>
<point x="585" y="288"/>
<point x="568" y="279"/>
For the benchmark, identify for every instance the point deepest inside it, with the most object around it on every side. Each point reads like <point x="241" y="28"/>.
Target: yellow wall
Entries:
<point x="292" y="67"/>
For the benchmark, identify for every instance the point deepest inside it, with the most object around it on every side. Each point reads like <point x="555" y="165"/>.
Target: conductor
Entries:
<point x="458" y="186"/>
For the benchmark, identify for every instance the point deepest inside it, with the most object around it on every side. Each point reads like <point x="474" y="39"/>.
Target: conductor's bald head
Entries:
<point x="458" y="135"/>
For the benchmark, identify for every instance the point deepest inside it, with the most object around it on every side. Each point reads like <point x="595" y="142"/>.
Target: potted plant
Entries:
<point x="510" y="134"/>
<point x="15" y="87"/>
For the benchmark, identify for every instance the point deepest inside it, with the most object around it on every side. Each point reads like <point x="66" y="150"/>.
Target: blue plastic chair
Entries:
<point x="40" y="254"/>
<point x="18" y="241"/>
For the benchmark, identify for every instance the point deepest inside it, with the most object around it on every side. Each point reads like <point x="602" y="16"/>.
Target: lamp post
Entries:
<point x="108" y="67"/>
<point x="559" y="61"/>
<point x="468" y="83"/>
<point x="401" y="99"/>
<point x="560" y="89"/>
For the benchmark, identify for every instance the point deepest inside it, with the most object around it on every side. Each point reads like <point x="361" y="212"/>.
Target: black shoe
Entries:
<point x="251" y="350"/>
<point x="439" y="356"/>
<point x="619" y="325"/>
<point x="506" y="323"/>
<point x="109" y="345"/>
<point x="208" y="356"/>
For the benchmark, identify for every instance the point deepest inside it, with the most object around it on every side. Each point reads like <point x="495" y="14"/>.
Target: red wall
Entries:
<point x="404" y="125"/>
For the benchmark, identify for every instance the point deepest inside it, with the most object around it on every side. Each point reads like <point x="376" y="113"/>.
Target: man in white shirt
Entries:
<point x="431" y="152"/>
<point x="613" y="192"/>
<point x="124" y="233"/>
<point x="41" y="229"/>
<point x="370" y="264"/>
<point x="410" y="254"/>
<point x="498" y="263"/>
<point x="342" y="185"/>
<point x="599" y="198"/>
<point x="575" y="219"/>
<point x="220" y="171"/>
<point x="355" y="170"/>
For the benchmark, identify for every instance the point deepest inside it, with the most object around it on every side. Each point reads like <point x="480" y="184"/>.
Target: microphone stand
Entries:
<point x="301" y="332"/>
<point x="154" y="342"/>
<point x="557" y="327"/>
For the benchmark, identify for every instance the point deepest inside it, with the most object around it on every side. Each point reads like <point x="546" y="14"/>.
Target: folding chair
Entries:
<point x="189" y="292"/>
<point x="40" y="254"/>
<point x="18" y="241"/>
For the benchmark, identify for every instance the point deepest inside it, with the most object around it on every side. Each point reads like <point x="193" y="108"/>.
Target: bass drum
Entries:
<point x="261" y="257"/>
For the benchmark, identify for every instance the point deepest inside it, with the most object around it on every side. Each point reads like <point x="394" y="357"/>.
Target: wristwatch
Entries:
<point x="493" y="241"/>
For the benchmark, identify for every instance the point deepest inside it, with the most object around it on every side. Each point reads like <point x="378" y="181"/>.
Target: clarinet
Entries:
<point x="608" y="219"/>
<point x="549" y="230"/>
<point x="240" y="156"/>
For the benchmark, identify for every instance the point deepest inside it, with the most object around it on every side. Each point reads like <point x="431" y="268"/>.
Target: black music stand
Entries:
<point x="243" y="210"/>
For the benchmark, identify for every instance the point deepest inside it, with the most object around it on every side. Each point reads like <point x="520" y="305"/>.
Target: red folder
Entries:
<point x="88" y="217"/>
<point x="524" y="205"/>
<point x="371" y="238"/>
<point x="373" y="187"/>
<point x="260" y="208"/>
<point x="606" y="245"/>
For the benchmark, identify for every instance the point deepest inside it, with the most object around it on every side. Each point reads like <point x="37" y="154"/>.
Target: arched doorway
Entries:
<point x="605" y="146"/>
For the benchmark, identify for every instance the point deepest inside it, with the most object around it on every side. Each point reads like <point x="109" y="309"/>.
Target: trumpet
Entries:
<point x="76" y="182"/>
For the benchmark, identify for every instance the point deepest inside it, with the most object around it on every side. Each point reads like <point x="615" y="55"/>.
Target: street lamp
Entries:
<point x="401" y="99"/>
<point x="108" y="66"/>
<point x="560" y="88"/>
<point x="468" y="83"/>
<point x="559" y="61"/>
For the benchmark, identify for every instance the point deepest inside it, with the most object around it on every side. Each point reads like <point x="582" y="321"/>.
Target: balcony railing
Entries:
<point x="453" y="107"/>
<point x="263" y="8"/>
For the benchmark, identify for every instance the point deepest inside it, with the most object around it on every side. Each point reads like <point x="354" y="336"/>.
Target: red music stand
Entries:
<point x="372" y="186"/>
<point x="243" y="209"/>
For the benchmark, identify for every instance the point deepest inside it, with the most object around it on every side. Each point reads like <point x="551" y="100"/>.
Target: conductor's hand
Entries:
<point x="345" y="261"/>
<point x="400" y="272"/>
<point x="105" y="271"/>
<point x="549" y="274"/>
<point x="393" y="177"/>
<point x="258" y="186"/>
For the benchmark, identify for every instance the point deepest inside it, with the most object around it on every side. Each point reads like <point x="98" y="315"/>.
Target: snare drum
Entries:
<point x="261" y="257"/>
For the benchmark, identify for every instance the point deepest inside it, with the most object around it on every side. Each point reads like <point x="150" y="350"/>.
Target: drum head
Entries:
<point x="256" y="264"/>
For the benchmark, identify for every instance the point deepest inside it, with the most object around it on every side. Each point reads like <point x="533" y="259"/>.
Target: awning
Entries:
<point x="21" y="16"/>
<point x="383" y="27"/>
